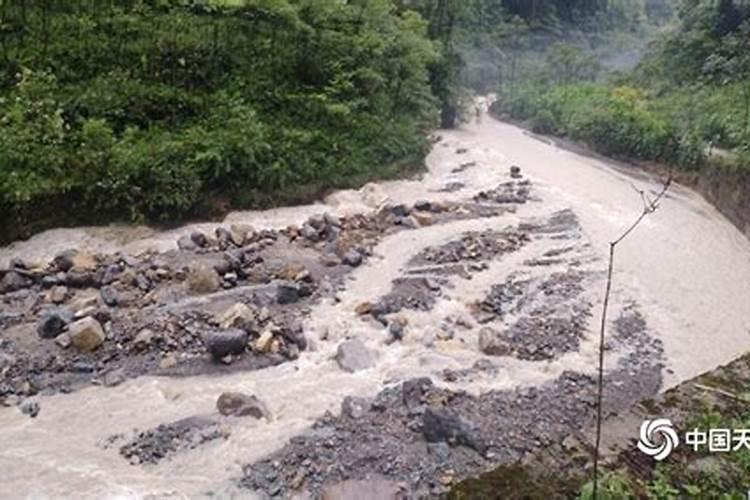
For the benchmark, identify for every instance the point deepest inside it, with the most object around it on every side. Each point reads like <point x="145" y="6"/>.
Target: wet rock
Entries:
<point x="241" y="233"/>
<point x="354" y="407"/>
<point x="79" y="279"/>
<point x="443" y="425"/>
<point x="168" y="362"/>
<point x="58" y="294"/>
<point x="331" y="220"/>
<point x="491" y="344"/>
<point x="441" y="452"/>
<point x="53" y="322"/>
<point x="30" y="407"/>
<point x="309" y="233"/>
<point x="264" y="342"/>
<point x="13" y="281"/>
<point x="221" y="343"/>
<point x="86" y="334"/>
<point x="114" y="378"/>
<point x="413" y="391"/>
<point x="396" y="330"/>
<point x="363" y="308"/>
<point x="83" y="367"/>
<point x="186" y="243"/>
<point x="288" y="292"/>
<point x="64" y="260"/>
<point x="423" y="206"/>
<point x="423" y="218"/>
<point x="224" y="236"/>
<point x="63" y="340"/>
<point x="353" y="355"/>
<point x="372" y="488"/>
<point x="203" y="279"/>
<point x="144" y="338"/>
<point x="352" y="258"/>
<point x="237" y="316"/>
<point x="199" y="239"/>
<point x="110" y="296"/>
<point x="241" y="405"/>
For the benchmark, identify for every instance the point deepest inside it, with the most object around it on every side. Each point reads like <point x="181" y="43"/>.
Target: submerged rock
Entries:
<point x="353" y="356"/>
<point x="491" y="344"/>
<point x="241" y="405"/>
<point x="352" y="258"/>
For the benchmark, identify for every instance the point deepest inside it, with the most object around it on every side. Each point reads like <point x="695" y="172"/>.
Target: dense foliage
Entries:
<point x="157" y="110"/>
<point x="687" y="103"/>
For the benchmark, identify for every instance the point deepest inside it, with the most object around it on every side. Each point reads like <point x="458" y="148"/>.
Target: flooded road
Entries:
<point x="686" y="267"/>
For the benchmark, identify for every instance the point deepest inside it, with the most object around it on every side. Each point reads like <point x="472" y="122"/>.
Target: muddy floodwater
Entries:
<point x="488" y="284"/>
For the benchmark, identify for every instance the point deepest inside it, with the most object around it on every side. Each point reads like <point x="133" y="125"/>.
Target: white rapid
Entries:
<point x="686" y="266"/>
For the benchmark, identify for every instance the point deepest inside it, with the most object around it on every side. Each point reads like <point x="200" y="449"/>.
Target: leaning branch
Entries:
<point x="649" y="206"/>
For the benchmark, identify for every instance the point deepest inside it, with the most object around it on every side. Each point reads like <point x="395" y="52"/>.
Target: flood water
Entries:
<point x="686" y="266"/>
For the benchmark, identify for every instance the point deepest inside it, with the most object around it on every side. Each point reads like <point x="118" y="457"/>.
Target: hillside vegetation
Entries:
<point x="687" y="103"/>
<point x="159" y="110"/>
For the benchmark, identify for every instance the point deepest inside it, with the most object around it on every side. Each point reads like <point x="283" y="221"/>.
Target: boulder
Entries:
<point x="57" y="294"/>
<point x="221" y="343"/>
<point x="13" y="281"/>
<point x="288" y="292"/>
<point x="53" y="322"/>
<point x="423" y="206"/>
<point x="237" y="316"/>
<point x="64" y="260"/>
<point x="110" y="296"/>
<point x="237" y="404"/>
<point x="423" y="218"/>
<point x="203" y="279"/>
<point x="442" y="425"/>
<point x="144" y="338"/>
<point x="241" y="233"/>
<point x="86" y="334"/>
<point x="186" y="243"/>
<point x="353" y="355"/>
<point x="30" y="407"/>
<point x="354" y="407"/>
<point x="199" y="239"/>
<point x="352" y="258"/>
<point x="491" y="344"/>
<point x="264" y="342"/>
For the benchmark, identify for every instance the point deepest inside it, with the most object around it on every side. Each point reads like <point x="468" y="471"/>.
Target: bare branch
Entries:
<point x="649" y="206"/>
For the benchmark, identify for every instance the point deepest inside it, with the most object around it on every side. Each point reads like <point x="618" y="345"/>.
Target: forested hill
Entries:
<point x="157" y="110"/>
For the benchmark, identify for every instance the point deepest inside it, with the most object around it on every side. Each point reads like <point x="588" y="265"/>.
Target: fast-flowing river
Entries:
<point x="686" y="266"/>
